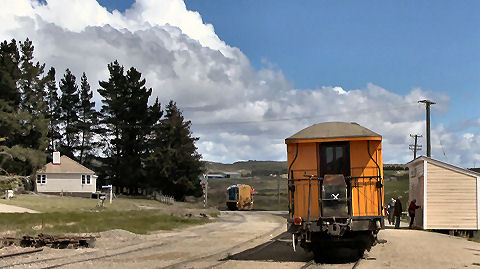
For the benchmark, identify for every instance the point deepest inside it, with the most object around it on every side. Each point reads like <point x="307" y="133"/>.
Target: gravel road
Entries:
<point x="253" y="239"/>
<point x="14" y="209"/>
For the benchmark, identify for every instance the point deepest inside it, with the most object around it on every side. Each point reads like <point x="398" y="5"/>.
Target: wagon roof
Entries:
<point x="333" y="130"/>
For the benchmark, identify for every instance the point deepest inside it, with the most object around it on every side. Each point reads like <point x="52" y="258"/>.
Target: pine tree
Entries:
<point x="87" y="121"/>
<point x="128" y="120"/>
<point x="31" y="83"/>
<point x="69" y="104"/>
<point x="112" y="111"/>
<point x="54" y="110"/>
<point x="22" y="109"/>
<point x="175" y="163"/>
<point x="9" y="73"/>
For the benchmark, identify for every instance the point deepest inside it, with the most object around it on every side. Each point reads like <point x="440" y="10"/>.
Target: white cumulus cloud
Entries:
<point x="238" y="112"/>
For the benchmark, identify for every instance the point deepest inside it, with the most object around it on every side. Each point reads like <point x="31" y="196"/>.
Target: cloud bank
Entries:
<point x="238" y="112"/>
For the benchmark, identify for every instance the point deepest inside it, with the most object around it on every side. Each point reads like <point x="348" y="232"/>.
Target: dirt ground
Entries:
<point x="14" y="209"/>
<point x="255" y="239"/>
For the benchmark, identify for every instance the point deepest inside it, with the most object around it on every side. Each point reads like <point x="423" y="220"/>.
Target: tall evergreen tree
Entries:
<point x="175" y="162"/>
<point x="112" y="112"/>
<point x="69" y="104"/>
<point x="129" y="120"/>
<point x="54" y="110"/>
<point x="9" y="73"/>
<point x="31" y="83"/>
<point x="22" y="109"/>
<point x="87" y="121"/>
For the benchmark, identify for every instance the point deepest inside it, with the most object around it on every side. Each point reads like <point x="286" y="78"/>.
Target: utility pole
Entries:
<point x="427" y="106"/>
<point x="415" y="147"/>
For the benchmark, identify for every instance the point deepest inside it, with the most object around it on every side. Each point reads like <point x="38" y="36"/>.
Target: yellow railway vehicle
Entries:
<point x="335" y="187"/>
<point x="240" y="197"/>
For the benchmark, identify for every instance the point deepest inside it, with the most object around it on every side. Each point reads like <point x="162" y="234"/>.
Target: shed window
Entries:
<point x="86" y="179"/>
<point x="41" y="179"/>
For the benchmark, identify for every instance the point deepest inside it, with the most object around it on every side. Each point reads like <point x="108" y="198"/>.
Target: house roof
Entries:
<point x="444" y="165"/>
<point x="333" y="130"/>
<point x="66" y="165"/>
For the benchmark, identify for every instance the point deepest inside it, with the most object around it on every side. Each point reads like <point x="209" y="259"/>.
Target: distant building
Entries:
<point x="64" y="175"/>
<point x="215" y="176"/>
<point x="448" y="196"/>
<point x="233" y="175"/>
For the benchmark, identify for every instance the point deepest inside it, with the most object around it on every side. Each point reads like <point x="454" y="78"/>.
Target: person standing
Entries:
<point x="411" y="211"/>
<point x="397" y="211"/>
<point x="390" y="207"/>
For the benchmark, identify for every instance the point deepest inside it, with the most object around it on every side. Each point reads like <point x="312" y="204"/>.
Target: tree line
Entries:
<point x="128" y="142"/>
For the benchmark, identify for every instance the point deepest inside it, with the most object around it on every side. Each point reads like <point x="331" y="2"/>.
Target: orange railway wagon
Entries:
<point x="335" y="187"/>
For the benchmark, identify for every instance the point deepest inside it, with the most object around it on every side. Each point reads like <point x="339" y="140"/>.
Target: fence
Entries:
<point x="169" y="200"/>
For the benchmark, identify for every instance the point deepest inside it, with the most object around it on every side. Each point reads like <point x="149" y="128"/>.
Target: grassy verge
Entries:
<point x="59" y="223"/>
<point x="61" y="215"/>
<point x="50" y="203"/>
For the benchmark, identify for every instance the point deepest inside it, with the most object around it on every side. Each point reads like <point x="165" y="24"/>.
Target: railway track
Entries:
<point x="223" y="253"/>
<point x="146" y="245"/>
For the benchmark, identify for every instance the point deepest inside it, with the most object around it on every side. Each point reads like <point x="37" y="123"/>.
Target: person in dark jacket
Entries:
<point x="397" y="211"/>
<point x="411" y="211"/>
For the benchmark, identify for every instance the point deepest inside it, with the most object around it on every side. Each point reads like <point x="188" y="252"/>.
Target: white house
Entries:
<point x="64" y="175"/>
<point x="448" y="195"/>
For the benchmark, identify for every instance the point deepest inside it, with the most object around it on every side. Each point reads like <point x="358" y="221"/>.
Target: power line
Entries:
<point x="359" y="111"/>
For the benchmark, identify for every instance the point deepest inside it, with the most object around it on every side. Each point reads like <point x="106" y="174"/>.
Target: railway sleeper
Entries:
<point x="50" y="241"/>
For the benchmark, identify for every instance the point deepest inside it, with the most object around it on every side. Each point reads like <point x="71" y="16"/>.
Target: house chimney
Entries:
<point x="56" y="157"/>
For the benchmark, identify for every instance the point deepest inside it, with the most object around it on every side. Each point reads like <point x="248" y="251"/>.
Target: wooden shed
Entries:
<point x="448" y="195"/>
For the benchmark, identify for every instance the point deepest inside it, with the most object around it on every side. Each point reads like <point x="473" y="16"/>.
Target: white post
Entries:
<point x="111" y="193"/>
<point x="204" y="182"/>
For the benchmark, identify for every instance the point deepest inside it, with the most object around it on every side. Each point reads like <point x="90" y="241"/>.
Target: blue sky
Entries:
<point x="432" y="45"/>
<point x="248" y="73"/>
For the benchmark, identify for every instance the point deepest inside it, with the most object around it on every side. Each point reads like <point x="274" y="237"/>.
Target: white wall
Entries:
<point x="416" y="185"/>
<point x="451" y="198"/>
<point x="71" y="182"/>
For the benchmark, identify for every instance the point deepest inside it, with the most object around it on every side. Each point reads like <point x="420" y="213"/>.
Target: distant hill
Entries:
<point x="249" y="168"/>
<point x="265" y="168"/>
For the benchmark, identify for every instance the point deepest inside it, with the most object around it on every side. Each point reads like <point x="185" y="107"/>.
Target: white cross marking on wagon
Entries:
<point x="335" y="197"/>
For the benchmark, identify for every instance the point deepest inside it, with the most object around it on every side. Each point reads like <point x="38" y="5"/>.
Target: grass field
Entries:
<point x="61" y="215"/>
<point x="265" y="197"/>
<point x="59" y="223"/>
<point x="393" y="189"/>
<point x="50" y="203"/>
<point x="266" y="190"/>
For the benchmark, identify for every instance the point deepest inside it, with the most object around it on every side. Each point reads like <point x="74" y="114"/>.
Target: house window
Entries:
<point x="41" y="179"/>
<point x="86" y="179"/>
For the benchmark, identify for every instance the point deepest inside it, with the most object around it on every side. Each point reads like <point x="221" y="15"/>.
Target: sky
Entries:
<point x="249" y="73"/>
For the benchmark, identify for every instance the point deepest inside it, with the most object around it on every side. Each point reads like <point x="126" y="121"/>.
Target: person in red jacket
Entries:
<point x="411" y="211"/>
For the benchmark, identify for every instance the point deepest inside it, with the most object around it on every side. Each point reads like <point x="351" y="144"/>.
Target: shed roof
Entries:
<point x="333" y="130"/>
<point x="66" y="165"/>
<point x="445" y="165"/>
